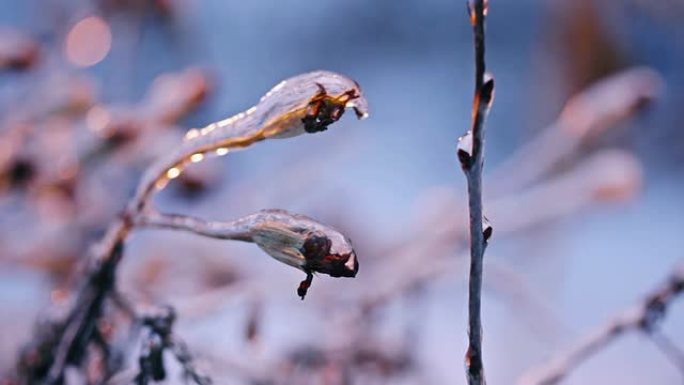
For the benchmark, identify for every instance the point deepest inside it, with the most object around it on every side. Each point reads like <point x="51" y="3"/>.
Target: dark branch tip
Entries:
<point x="305" y="285"/>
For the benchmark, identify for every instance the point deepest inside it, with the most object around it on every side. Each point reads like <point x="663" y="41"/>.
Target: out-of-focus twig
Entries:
<point x="471" y="155"/>
<point x="135" y="131"/>
<point x="645" y="316"/>
<point x="160" y="338"/>
<point x="605" y="176"/>
<point x="586" y="115"/>
<point x="673" y="352"/>
<point x="17" y="51"/>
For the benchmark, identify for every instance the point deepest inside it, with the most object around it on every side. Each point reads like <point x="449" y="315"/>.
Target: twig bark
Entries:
<point x="645" y="316"/>
<point x="471" y="151"/>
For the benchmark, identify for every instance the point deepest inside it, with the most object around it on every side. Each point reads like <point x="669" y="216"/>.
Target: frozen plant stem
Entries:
<point x="306" y="103"/>
<point x="470" y="153"/>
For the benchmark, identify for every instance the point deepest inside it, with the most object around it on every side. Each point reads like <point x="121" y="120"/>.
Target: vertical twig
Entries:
<point x="470" y="153"/>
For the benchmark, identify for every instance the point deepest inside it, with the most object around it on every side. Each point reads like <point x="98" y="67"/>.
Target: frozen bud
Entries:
<point x="465" y="150"/>
<point x="487" y="229"/>
<point x="487" y="91"/>
<point x="303" y="243"/>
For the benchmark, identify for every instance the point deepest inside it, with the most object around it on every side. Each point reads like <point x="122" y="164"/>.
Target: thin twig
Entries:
<point x="471" y="149"/>
<point x="673" y="352"/>
<point x="235" y="230"/>
<point x="645" y="316"/>
<point x="587" y="115"/>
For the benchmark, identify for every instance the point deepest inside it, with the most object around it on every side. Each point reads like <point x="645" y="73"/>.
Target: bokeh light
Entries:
<point x="88" y="42"/>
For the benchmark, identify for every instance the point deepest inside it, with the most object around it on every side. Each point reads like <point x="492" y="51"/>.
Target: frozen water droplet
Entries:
<point x="192" y="134"/>
<point x="173" y="172"/>
<point x="161" y="183"/>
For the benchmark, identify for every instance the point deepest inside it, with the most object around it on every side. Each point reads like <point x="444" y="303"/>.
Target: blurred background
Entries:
<point x="583" y="180"/>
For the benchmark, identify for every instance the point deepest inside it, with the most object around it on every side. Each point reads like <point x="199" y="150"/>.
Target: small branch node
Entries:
<point x="487" y="229"/>
<point x="465" y="150"/>
<point x="471" y="13"/>
<point x="487" y="90"/>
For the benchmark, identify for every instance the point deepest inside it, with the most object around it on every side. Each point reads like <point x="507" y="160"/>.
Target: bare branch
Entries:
<point x="471" y="151"/>
<point x="645" y="316"/>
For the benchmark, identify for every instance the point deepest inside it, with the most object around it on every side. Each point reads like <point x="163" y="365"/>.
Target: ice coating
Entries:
<point x="279" y="114"/>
